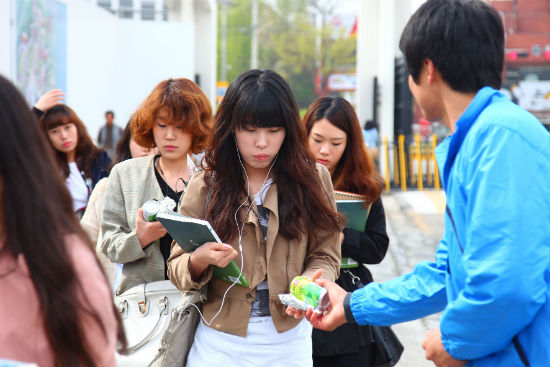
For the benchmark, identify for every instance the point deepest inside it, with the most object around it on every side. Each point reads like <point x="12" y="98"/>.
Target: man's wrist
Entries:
<point x="347" y="308"/>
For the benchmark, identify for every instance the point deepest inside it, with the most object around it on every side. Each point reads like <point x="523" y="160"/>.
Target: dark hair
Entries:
<point x="122" y="151"/>
<point x="354" y="172"/>
<point x="370" y="124"/>
<point x="185" y="102"/>
<point x="29" y="191"/>
<point x="463" y="38"/>
<point x="86" y="150"/>
<point x="261" y="98"/>
<point x="109" y="112"/>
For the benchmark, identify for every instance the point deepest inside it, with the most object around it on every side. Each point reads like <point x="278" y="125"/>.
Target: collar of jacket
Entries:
<point x="463" y="125"/>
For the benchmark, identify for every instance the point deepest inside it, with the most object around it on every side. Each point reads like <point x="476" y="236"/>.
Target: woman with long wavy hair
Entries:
<point x="334" y="137"/>
<point x="273" y="207"/>
<point x="56" y="306"/>
<point x="80" y="161"/>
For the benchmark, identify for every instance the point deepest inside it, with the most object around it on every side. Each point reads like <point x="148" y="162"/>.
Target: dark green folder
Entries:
<point x="355" y="212"/>
<point x="353" y="207"/>
<point x="190" y="233"/>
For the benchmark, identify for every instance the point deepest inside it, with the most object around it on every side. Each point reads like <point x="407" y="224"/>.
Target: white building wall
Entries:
<point x="206" y="21"/>
<point x="380" y="25"/>
<point x="113" y="63"/>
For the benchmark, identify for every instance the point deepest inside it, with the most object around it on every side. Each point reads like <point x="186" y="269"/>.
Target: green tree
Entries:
<point x="288" y="44"/>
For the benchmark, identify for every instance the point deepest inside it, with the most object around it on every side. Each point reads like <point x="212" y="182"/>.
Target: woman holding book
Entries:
<point x="274" y="209"/>
<point x="175" y="118"/>
<point x="334" y="137"/>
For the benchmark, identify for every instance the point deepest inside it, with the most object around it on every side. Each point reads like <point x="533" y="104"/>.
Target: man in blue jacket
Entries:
<point x="491" y="272"/>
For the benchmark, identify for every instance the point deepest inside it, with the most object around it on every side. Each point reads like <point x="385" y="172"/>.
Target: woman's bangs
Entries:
<point x="56" y="119"/>
<point x="263" y="110"/>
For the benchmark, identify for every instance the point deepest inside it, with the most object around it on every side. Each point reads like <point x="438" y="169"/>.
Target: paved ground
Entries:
<point x="415" y="224"/>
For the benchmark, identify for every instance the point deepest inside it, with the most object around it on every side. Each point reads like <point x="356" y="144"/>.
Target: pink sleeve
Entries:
<point x="97" y="296"/>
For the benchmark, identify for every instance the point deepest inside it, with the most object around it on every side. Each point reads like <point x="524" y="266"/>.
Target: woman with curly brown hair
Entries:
<point x="176" y="119"/>
<point x="81" y="162"/>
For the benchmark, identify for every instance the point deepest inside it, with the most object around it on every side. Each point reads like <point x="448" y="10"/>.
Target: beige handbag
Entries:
<point x="160" y="323"/>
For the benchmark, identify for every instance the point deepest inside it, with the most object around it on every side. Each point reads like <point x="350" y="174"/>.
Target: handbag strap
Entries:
<point x="207" y="202"/>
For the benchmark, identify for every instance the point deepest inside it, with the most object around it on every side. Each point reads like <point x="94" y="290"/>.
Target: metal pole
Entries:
<point x="223" y="74"/>
<point x="436" y="169"/>
<point x="387" y="173"/>
<point x="254" y="46"/>
<point x="403" y="161"/>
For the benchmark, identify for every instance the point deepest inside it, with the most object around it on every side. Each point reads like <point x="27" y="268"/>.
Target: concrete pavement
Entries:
<point x="415" y="224"/>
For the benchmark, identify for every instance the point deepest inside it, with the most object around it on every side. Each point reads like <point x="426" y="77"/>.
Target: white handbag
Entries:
<point x="160" y="323"/>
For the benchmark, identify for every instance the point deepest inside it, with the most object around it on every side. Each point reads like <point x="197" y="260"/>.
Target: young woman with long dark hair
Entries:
<point x="274" y="209"/>
<point x="80" y="161"/>
<point x="56" y="305"/>
<point x="334" y="137"/>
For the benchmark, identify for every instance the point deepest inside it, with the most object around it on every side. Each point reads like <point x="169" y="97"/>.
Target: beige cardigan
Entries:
<point x="131" y="183"/>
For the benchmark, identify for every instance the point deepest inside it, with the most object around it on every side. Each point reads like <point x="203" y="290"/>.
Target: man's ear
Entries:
<point x="432" y="73"/>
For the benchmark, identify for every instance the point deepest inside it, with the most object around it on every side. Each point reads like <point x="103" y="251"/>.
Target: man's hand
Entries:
<point x="50" y="99"/>
<point x="436" y="353"/>
<point x="335" y="315"/>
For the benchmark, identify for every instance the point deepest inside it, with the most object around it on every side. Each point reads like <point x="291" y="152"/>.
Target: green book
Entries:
<point x="190" y="233"/>
<point x="353" y="207"/>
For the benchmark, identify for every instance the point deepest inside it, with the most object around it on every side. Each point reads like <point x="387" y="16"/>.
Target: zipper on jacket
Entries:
<point x="454" y="227"/>
<point x="515" y="340"/>
<point x="520" y="351"/>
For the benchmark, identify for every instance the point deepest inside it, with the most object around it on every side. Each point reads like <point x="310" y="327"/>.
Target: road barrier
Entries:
<point x="410" y="164"/>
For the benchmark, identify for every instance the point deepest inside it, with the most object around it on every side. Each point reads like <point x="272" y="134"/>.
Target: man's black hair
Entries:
<point x="463" y="38"/>
<point x="110" y="112"/>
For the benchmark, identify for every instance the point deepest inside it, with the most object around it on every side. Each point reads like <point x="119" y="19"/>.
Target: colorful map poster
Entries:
<point x="41" y="42"/>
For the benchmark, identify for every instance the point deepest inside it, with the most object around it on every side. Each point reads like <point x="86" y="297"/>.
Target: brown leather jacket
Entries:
<point x="278" y="259"/>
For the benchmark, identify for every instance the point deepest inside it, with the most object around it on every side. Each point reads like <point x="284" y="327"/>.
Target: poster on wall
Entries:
<point x="41" y="47"/>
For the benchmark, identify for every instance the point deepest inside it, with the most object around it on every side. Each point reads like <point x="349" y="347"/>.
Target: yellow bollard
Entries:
<point x="412" y="174"/>
<point x="419" y="178"/>
<point x="436" y="169"/>
<point x="428" y="155"/>
<point x="395" y="164"/>
<point x="387" y="154"/>
<point x="402" y="162"/>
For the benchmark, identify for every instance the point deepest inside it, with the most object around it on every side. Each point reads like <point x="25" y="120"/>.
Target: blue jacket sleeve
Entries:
<point x="506" y="241"/>
<point x="408" y="297"/>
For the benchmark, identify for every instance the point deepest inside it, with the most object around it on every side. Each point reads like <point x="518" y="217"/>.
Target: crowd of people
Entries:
<point x="72" y="229"/>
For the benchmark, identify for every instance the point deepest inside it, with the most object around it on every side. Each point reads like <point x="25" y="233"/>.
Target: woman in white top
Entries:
<point x="80" y="161"/>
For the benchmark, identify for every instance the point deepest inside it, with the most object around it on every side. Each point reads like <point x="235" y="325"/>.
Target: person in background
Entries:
<point x="49" y="99"/>
<point x="272" y="202"/>
<point x="176" y="118"/>
<point x="91" y="221"/>
<point x="56" y="307"/>
<point x="370" y="136"/>
<point x="334" y="138"/>
<point x="80" y="161"/>
<point x="491" y="273"/>
<point x="109" y="134"/>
